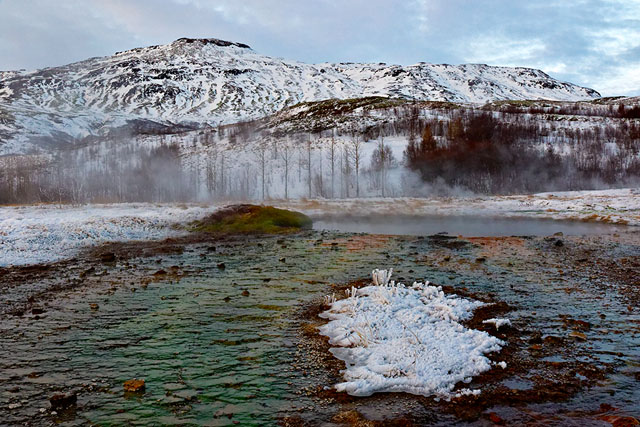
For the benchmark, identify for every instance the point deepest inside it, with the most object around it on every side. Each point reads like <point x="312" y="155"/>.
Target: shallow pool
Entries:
<point x="461" y="225"/>
<point x="217" y="346"/>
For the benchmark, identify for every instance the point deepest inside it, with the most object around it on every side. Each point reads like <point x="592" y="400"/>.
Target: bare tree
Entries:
<point x="381" y="161"/>
<point x="346" y="171"/>
<point x="261" y="156"/>
<point x="332" y="159"/>
<point x="222" y="177"/>
<point x="309" y="164"/>
<point x="356" y="152"/>
<point x="212" y="164"/>
<point x="286" y="153"/>
<point x="320" y="175"/>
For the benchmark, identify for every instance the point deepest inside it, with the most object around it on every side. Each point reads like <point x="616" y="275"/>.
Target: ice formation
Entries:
<point x="395" y="338"/>
<point x="497" y="322"/>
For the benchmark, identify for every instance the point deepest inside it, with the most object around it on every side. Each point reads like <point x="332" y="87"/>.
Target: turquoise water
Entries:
<point x="209" y="353"/>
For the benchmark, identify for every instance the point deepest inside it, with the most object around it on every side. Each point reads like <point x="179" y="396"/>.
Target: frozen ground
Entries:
<point x="45" y="233"/>
<point x="620" y="206"/>
<point x="406" y="339"/>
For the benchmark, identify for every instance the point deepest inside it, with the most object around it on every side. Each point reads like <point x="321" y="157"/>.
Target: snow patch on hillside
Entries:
<point x="203" y="83"/>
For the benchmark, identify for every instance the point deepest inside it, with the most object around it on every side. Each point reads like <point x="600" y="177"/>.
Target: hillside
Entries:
<point x="196" y="82"/>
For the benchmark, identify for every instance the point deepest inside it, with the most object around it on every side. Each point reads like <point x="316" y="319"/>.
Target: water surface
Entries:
<point x="217" y="346"/>
<point x="461" y="225"/>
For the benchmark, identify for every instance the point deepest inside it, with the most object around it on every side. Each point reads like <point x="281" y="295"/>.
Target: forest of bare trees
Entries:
<point x="486" y="155"/>
<point x="510" y="148"/>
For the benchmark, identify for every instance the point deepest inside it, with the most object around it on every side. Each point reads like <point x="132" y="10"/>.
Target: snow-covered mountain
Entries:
<point x="195" y="82"/>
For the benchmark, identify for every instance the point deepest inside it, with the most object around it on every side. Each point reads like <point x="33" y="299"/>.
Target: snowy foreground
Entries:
<point x="46" y="233"/>
<point x="395" y="338"/>
<point x="620" y="206"/>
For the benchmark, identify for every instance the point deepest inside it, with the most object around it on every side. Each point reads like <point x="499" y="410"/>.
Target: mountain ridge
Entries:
<point x="197" y="82"/>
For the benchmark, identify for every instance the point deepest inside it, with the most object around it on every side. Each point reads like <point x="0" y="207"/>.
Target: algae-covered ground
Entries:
<point x="252" y="219"/>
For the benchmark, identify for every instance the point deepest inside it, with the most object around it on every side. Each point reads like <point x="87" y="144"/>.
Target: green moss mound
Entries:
<point x="245" y="219"/>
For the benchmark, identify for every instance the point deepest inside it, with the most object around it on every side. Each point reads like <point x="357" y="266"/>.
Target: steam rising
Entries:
<point x="408" y="150"/>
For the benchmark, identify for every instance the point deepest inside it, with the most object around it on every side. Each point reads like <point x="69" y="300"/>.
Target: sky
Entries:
<point x="594" y="43"/>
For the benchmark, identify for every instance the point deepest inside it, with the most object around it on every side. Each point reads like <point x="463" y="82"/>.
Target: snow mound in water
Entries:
<point x="395" y="338"/>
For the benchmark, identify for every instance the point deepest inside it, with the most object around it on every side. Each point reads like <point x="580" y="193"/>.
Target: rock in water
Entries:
<point x="61" y="401"/>
<point x="108" y="257"/>
<point x="578" y="336"/>
<point x="134" y="386"/>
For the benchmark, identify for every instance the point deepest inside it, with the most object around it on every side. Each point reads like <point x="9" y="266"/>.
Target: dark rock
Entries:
<point x="605" y="407"/>
<point x="495" y="418"/>
<point x="536" y="338"/>
<point x="283" y="259"/>
<point x="245" y="293"/>
<point x="87" y="272"/>
<point x="552" y="340"/>
<point x="61" y="401"/>
<point x="221" y="266"/>
<point x="37" y="310"/>
<point x="108" y="257"/>
<point x="558" y="243"/>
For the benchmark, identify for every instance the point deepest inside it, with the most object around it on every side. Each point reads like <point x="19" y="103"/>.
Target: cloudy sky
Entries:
<point x="594" y="43"/>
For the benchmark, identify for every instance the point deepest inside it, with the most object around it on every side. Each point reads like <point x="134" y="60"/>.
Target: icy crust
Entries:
<point x="395" y="338"/>
<point x="497" y="322"/>
<point x="47" y="233"/>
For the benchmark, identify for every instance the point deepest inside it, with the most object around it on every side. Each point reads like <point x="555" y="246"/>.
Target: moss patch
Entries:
<point x="243" y="219"/>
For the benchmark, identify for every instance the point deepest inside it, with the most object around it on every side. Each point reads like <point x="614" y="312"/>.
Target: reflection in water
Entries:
<point x="461" y="225"/>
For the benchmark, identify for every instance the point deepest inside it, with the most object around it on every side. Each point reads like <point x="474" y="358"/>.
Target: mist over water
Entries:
<point x="407" y="151"/>
<point x="472" y="226"/>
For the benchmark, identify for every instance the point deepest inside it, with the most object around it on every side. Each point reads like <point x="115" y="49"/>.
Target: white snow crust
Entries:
<point x="46" y="233"/>
<point x="497" y="322"/>
<point x="395" y="338"/>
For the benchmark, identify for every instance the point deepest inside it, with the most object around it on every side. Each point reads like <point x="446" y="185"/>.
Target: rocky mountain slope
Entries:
<point x="195" y="82"/>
